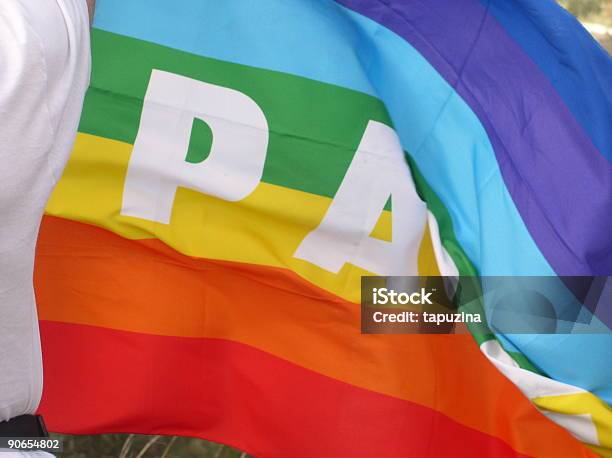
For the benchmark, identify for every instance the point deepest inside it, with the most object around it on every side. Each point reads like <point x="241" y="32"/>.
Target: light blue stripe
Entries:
<point x="305" y="38"/>
<point x="323" y="41"/>
<point x="581" y="360"/>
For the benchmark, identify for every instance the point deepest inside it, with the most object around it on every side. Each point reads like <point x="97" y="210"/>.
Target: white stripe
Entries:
<point x="535" y="385"/>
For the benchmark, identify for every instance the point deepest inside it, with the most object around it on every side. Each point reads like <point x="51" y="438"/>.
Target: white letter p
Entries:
<point x="232" y="170"/>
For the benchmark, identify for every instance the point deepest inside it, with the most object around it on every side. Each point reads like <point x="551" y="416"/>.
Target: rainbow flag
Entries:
<point x="241" y="164"/>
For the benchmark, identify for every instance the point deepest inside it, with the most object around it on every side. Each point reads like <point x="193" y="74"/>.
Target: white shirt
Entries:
<point x="44" y="72"/>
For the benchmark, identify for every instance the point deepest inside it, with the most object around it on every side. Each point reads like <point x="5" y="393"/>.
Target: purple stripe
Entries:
<point x="560" y="183"/>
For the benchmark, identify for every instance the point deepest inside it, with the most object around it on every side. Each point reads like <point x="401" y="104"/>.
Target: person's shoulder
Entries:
<point x="15" y="28"/>
<point x="21" y="48"/>
<point x="43" y="33"/>
<point x="44" y="58"/>
<point x="76" y="12"/>
<point x="51" y="23"/>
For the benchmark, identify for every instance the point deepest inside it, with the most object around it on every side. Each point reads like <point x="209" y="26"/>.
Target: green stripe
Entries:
<point x="449" y="241"/>
<point x="524" y="363"/>
<point x="464" y="265"/>
<point x="445" y="223"/>
<point x="315" y="128"/>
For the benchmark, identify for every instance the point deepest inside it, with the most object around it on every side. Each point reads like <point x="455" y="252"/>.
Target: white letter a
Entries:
<point x="378" y="170"/>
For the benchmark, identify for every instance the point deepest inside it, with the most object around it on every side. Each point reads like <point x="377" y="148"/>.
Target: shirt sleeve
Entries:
<point x="44" y="71"/>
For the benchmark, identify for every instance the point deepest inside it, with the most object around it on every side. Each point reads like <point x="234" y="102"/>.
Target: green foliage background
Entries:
<point x="583" y="8"/>
<point x="593" y="12"/>
<point x="141" y="446"/>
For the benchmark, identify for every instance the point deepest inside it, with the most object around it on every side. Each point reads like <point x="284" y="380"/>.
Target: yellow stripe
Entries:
<point x="265" y="228"/>
<point x="580" y="404"/>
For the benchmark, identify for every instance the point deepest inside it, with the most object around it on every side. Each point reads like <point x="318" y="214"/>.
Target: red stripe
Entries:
<point x="117" y="381"/>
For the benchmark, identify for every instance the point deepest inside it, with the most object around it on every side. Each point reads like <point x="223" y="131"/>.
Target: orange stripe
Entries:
<point x="143" y="286"/>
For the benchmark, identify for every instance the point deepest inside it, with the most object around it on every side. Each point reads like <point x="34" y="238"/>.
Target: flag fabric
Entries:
<point x="240" y="165"/>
